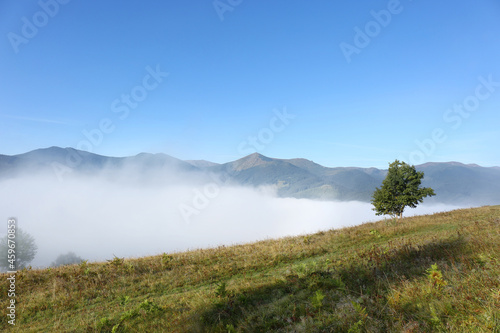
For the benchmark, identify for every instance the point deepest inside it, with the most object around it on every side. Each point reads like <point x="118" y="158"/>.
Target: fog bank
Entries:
<point x="98" y="219"/>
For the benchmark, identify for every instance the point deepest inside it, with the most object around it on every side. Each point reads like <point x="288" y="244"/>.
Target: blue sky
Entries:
<point x="363" y="82"/>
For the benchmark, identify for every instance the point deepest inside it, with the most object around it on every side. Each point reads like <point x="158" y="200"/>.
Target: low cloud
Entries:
<point x="97" y="218"/>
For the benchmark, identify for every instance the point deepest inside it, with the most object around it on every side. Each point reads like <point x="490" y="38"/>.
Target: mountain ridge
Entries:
<point x="454" y="182"/>
<point x="83" y="152"/>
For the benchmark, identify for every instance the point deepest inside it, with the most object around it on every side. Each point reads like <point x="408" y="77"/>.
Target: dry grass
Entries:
<point x="429" y="273"/>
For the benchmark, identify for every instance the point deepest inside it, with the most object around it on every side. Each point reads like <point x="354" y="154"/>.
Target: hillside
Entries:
<point x="428" y="273"/>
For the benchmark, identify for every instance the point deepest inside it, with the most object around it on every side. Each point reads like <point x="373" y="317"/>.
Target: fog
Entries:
<point x="97" y="218"/>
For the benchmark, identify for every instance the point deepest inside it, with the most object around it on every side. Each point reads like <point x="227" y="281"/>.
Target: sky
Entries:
<point x="341" y="83"/>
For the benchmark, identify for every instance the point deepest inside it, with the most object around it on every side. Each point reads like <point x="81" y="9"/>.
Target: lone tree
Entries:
<point x="400" y="188"/>
<point x="25" y="250"/>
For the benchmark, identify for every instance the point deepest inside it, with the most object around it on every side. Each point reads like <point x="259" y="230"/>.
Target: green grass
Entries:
<point x="434" y="273"/>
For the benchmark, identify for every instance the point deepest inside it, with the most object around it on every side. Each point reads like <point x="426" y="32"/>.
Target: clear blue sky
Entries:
<point x="357" y="100"/>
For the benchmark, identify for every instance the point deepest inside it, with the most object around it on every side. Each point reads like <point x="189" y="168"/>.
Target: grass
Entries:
<point x="433" y="273"/>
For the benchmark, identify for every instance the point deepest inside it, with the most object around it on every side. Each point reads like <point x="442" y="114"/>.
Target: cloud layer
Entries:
<point x="98" y="219"/>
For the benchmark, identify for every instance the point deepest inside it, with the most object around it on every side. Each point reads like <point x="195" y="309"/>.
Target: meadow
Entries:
<point x="431" y="273"/>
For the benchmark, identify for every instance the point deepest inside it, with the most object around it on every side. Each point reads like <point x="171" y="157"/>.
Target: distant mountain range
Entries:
<point x="453" y="182"/>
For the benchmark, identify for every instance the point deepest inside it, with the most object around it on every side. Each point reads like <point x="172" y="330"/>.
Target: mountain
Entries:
<point x="301" y="178"/>
<point x="46" y="159"/>
<point x="63" y="161"/>
<point x="453" y="182"/>
<point x="290" y="180"/>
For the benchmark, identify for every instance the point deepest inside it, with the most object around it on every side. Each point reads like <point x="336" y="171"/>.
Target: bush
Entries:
<point x="67" y="259"/>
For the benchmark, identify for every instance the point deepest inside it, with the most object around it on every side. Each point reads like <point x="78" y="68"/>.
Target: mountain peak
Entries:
<point x="251" y="161"/>
<point x="256" y="157"/>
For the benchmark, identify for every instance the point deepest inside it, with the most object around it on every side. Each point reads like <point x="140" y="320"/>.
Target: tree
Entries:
<point x="67" y="259"/>
<point x="25" y="250"/>
<point x="400" y="189"/>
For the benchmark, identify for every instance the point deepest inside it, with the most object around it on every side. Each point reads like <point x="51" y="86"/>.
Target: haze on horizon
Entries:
<point x="98" y="218"/>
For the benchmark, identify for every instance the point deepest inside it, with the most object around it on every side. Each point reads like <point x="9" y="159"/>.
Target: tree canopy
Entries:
<point x="25" y="250"/>
<point x="67" y="259"/>
<point x="400" y="189"/>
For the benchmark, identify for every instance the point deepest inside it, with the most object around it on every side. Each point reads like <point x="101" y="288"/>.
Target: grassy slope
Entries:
<point x="370" y="278"/>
